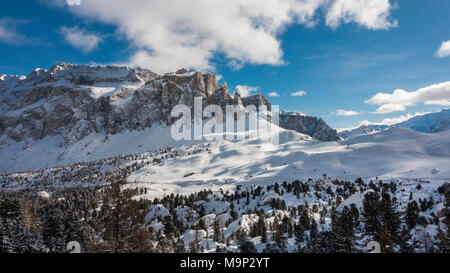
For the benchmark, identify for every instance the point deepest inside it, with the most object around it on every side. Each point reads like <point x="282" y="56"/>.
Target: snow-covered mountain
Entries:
<point x="73" y="113"/>
<point x="362" y="130"/>
<point x="296" y="121"/>
<point x="311" y="126"/>
<point x="74" y="101"/>
<point x="428" y="123"/>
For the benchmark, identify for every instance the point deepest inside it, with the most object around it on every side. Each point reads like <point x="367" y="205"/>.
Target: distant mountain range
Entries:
<point x="428" y="123"/>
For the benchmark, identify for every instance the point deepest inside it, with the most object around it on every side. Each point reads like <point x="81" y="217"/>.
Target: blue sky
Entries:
<point x="341" y="53"/>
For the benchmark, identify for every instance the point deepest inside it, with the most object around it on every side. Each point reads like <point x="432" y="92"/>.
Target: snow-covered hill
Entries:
<point x="428" y="123"/>
<point x="362" y="130"/>
<point x="396" y="153"/>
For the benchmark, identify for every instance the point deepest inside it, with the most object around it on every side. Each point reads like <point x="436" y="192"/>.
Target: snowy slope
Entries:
<point x="362" y="130"/>
<point x="48" y="152"/>
<point x="394" y="153"/>
<point x="429" y="123"/>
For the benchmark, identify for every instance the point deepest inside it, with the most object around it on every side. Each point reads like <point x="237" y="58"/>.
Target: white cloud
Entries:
<point x="389" y="108"/>
<point x="346" y="113"/>
<point x="245" y="90"/>
<point x="6" y="35"/>
<point x="73" y="2"/>
<point x="80" y="38"/>
<point x="8" y="32"/>
<point x="399" y="100"/>
<point x="274" y="94"/>
<point x="180" y="33"/>
<point x="299" y="94"/>
<point x="386" y="121"/>
<point x="444" y="50"/>
<point x="372" y="14"/>
<point x="402" y="118"/>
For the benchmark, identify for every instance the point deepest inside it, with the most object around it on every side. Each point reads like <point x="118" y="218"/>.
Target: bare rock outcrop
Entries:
<point x="74" y="101"/>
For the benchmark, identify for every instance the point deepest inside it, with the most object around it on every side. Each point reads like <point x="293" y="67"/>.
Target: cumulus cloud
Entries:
<point x="444" y="50"/>
<point x="274" y="94"/>
<point x="245" y="90"/>
<point x="386" y="121"/>
<point x="346" y="113"/>
<point x="73" y="2"/>
<point x="299" y="94"/>
<point x="7" y="35"/>
<point x="80" y="38"/>
<point x="399" y="100"/>
<point x="372" y="14"/>
<point x="8" y="31"/>
<point x="402" y="118"/>
<point x="178" y="33"/>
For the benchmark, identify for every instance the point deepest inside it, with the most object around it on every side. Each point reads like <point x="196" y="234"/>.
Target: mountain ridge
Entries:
<point x="427" y="123"/>
<point x="77" y="83"/>
<point x="69" y="108"/>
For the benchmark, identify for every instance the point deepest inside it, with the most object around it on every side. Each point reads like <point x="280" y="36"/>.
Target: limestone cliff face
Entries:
<point x="74" y="101"/>
<point x="311" y="126"/>
<point x="257" y="100"/>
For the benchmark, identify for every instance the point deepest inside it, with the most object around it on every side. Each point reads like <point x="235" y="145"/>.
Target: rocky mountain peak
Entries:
<point x="73" y="101"/>
<point x="308" y="125"/>
<point x="299" y="122"/>
<point x="257" y="100"/>
<point x="89" y="75"/>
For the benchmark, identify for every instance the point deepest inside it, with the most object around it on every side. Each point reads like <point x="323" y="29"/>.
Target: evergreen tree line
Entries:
<point x="112" y="219"/>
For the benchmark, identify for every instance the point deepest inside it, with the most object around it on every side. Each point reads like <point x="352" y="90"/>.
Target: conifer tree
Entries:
<point x="343" y="229"/>
<point x="412" y="214"/>
<point x="120" y="213"/>
<point x="217" y="231"/>
<point x="405" y="245"/>
<point x="390" y="217"/>
<point x="443" y="241"/>
<point x="299" y="232"/>
<point x="372" y="221"/>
